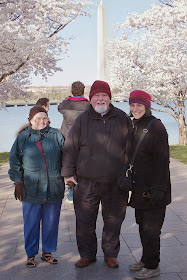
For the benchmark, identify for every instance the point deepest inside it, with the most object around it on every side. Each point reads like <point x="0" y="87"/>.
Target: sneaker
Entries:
<point x="69" y="201"/>
<point x="147" y="273"/>
<point x="136" y="266"/>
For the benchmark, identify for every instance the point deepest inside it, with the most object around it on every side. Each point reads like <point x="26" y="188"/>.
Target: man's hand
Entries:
<point x="19" y="191"/>
<point x="70" y="182"/>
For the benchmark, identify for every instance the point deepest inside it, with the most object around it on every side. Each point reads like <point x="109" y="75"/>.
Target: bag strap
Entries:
<point x="145" y="130"/>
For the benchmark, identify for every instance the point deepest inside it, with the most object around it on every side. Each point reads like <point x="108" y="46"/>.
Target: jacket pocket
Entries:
<point x="31" y="182"/>
<point x="56" y="186"/>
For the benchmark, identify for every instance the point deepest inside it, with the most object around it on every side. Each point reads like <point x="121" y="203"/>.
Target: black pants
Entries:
<point x="150" y="223"/>
<point x="87" y="197"/>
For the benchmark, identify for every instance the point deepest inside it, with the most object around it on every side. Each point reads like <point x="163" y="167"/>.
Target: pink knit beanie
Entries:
<point x="141" y="97"/>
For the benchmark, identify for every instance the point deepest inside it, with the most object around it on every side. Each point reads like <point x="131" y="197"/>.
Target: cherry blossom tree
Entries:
<point x="151" y="54"/>
<point x="31" y="36"/>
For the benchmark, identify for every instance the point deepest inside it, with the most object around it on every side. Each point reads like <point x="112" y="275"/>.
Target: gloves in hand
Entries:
<point x="19" y="191"/>
<point x="156" y="197"/>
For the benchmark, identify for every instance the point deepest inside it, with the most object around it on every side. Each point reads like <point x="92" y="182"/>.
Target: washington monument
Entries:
<point x="102" y="69"/>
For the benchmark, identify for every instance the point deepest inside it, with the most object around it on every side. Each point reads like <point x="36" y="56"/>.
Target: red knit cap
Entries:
<point x="141" y="97"/>
<point x="99" y="86"/>
<point x="36" y="109"/>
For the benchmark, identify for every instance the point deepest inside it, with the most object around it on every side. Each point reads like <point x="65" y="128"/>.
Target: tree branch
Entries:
<point x="16" y="17"/>
<point x="167" y="4"/>
<point x="166" y="111"/>
<point x="3" y="76"/>
<point x="62" y="26"/>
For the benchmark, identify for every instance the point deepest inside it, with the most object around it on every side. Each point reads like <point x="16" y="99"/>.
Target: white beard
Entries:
<point x="101" y="109"/>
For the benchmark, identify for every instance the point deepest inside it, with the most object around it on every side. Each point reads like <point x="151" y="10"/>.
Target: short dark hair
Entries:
<point x="42" y="101"/>
<point x="77" y="88"/>
<point x="148" y="112"/>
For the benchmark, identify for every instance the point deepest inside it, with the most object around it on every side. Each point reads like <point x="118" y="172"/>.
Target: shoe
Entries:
<point x="31" y="262"/>
<point x="147" y="273"/>
<point x="82" y="262"/>
<point x="112" y="262"/>
<point x="69" y="201"/>
<point x="136" y="266"/>
<point x="49" y="258"/>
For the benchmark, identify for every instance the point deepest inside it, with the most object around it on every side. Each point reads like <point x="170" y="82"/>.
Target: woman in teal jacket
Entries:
<point x="35" y="168"/>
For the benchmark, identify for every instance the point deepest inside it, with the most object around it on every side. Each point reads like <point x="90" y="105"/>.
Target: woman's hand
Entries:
<point x="19" y="191"/>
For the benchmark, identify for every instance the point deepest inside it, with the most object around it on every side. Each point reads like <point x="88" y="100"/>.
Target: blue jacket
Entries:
<point x="27" y="164"/>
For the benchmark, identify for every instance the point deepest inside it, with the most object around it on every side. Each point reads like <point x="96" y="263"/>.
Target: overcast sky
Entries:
<point x="81" y="63"/>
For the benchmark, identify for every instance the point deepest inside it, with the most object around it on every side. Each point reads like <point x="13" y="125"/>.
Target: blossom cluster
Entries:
<point x="150" y="53"/>
<point x="32" y="38"/>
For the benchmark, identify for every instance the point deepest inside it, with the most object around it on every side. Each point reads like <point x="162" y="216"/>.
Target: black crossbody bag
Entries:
<point x="124" y="179"/>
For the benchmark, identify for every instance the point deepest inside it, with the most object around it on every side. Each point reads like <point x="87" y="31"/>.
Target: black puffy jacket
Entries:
<point x="97" y="147"/>
<point x="151" y="165"/>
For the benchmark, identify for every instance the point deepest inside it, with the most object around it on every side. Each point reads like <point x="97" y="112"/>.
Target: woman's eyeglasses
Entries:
<point x="41" y="119"/>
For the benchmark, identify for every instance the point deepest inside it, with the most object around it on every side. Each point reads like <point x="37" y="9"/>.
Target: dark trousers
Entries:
<point x="150" y="223"/>
<point x="87" y="197"/>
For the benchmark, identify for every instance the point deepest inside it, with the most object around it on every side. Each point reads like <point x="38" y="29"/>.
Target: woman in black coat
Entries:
<point x="151" y="183"/>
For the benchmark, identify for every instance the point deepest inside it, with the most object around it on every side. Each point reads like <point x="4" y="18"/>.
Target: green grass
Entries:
<point x="4" y="157"/>
<point x="176" y="151"/>
<point x="179" y="153"/>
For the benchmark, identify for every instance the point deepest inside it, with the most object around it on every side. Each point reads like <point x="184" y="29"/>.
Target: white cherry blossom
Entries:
<point x="32" y="37"/>
<point x="150" y="54"/>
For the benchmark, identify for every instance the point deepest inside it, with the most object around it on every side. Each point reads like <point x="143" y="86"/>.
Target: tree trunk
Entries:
<point x="180" y="118"/>
<point x="182" y="132"/>
<point x="182" y="124"/>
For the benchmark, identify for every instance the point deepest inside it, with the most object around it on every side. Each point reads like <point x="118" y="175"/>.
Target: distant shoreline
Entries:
<point x="32" y="103"/>
<point x="29" y="103"/>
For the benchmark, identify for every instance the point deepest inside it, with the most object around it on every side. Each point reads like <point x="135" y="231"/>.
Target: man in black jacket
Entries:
<point x="95" y="150"/>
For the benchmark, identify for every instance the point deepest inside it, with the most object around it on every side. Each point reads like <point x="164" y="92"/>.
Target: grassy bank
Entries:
<point x="177" y="152"/>
<point x="3" y="157"/>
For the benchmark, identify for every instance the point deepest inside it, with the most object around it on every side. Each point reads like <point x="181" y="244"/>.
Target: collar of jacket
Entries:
<point x="77" y="98"/>
<point x="137" y="121"/>
<point x="95" y="115"/>
<point x="140" y="124"/>
<point x="39" y="132"/>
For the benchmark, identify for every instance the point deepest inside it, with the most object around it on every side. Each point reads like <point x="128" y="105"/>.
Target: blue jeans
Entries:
<point x="49" y="214"/>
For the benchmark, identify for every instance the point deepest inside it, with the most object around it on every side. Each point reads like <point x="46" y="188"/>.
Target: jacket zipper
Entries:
<point x="104" y="121"/>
